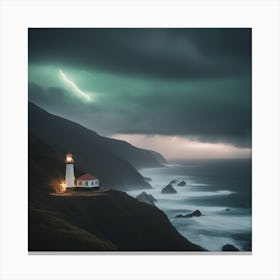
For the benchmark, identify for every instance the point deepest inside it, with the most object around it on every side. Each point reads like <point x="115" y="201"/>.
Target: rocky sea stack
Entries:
<point x="229" y="248"/>
<point x="168" y="189"/>
<point x="182" y="184"/>
<point x="195" y="213"/>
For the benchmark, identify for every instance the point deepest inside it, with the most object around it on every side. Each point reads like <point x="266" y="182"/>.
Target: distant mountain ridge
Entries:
<point x="114" y="162"/>
<point x="139" y="158"/>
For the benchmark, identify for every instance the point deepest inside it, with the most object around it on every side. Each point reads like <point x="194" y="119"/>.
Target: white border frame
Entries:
<point x="262" y="16"/>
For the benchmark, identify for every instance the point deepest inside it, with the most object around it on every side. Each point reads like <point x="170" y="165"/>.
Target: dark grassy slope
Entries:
<point x="114" y="221"/>
<point x="49" y="232"/>
<point x="112" y="161"/>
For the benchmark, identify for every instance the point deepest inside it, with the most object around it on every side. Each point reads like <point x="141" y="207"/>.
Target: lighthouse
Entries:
<point x="69" y="174"/>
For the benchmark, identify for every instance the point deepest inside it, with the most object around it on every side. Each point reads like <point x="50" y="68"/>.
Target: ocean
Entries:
<point x="220" y="189"/>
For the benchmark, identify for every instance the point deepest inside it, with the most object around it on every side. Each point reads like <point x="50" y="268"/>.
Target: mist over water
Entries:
<point x="220" y="189"/>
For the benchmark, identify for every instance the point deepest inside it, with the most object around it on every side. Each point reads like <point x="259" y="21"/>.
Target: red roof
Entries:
<point x="86" y="177"/>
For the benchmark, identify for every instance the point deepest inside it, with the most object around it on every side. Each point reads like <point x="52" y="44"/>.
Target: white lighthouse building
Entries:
<point x="86" y="182"/>
<point x="69" y="174"/>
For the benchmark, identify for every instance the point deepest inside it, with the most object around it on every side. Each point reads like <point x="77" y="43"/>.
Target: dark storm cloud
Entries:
<point x="188" y="82"/>
<point x="210" y="112"/>
<point x="170" y="53"/>
<point x="221" y="115"/>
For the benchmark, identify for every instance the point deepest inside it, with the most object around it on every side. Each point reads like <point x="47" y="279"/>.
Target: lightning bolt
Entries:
<point x="74" y="86"/>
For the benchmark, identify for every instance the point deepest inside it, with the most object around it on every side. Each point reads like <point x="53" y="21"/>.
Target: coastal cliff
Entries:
<point x="113" y="221"/>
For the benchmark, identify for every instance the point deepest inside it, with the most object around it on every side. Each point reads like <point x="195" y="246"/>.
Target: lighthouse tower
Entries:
<point x="69" y="174"/>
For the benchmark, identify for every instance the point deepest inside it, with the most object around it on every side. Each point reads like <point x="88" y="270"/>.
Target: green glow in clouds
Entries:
<point x="74" y="86"/>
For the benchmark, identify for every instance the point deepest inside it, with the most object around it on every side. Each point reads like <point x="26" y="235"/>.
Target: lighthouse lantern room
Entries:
<point x="69" y="174"/>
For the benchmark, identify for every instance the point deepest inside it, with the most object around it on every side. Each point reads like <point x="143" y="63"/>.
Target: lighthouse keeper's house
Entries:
<point x="88" y="181"/>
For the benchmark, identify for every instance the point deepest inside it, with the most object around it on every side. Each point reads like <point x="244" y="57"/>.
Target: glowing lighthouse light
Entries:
<point x="69" y="158"/>
<point x="69" y="174"/>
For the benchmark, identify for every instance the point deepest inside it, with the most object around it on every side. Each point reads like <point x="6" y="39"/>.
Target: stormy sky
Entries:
<point x="183" y="92"/>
